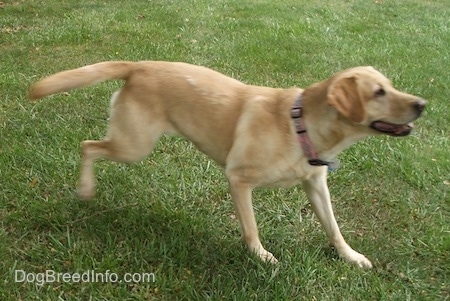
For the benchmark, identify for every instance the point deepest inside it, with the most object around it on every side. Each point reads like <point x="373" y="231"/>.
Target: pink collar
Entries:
<point x="303" y="138"/>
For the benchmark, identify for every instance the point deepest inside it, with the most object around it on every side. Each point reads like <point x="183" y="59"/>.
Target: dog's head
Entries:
<point x="366" y="97"/>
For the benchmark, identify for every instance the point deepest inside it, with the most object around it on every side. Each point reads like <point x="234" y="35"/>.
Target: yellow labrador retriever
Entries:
<point x="261" y="136"/>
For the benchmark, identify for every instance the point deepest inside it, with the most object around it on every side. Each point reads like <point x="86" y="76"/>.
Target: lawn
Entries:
<point x="171" y="216"/>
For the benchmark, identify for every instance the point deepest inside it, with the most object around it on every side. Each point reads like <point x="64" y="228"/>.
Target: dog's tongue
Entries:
<point x="392" y="129"/>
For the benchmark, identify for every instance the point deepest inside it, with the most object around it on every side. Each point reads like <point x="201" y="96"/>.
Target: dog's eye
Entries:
<point x="380" y="92"/>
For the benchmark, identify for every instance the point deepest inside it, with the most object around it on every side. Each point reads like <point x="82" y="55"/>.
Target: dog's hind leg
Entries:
<point x="132" y="134"/>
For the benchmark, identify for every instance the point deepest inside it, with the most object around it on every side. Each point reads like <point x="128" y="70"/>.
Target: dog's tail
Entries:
<point x="81" y="77"/>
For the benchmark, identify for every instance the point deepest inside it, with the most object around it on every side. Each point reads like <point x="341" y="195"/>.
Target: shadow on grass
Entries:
<point x="152" y="235"/>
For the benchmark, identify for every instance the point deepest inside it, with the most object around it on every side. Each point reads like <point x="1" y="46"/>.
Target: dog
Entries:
<point x="261" y="136"/>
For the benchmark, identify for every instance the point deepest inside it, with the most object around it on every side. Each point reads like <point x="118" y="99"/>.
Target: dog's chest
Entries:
<point x="287" y="175"/>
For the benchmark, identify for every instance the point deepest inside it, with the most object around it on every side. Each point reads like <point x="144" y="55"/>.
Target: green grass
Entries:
<point x="171" y="214"/>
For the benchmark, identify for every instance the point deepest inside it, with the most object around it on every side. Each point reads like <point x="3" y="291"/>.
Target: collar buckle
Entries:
<point x="318" y="162"/>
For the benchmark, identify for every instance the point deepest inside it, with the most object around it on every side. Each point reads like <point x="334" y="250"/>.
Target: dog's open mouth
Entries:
<point x="392" y="129"/>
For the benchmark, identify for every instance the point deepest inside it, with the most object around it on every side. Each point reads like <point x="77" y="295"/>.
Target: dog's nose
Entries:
<point x="420" y="105"/>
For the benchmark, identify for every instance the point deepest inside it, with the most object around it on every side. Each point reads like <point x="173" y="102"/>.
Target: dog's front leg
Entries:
<point x="241" y="193"/>
<point x="318" y="194"/>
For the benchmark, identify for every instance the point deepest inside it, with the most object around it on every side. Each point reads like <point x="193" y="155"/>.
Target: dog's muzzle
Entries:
<point x="399" y="130"/>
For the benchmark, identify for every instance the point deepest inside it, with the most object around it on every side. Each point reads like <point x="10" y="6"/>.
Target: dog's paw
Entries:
<point x="358" y="259"/>
<point x="363" y="262"/>
<point x="266" y="256"/>
<point x="86" y="190"/>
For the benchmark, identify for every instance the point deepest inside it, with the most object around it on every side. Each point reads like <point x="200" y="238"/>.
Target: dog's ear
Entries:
<point x="343" y="94"/>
